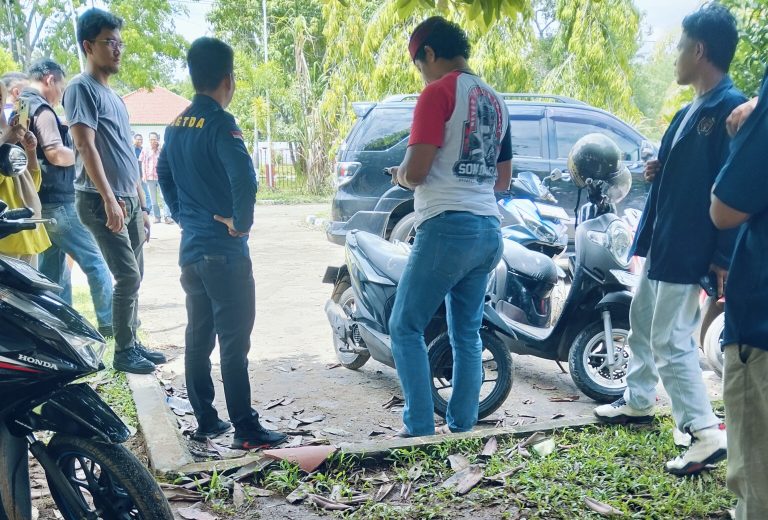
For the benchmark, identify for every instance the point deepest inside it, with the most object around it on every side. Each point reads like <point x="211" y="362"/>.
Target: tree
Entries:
<point x="653" y="85"/>
<point x="751" y="57"/>
<point x="6" y="62"/>
<point x="43" y="28"/>
<point x="594" y="46"/>
<point x="481" y="12"/>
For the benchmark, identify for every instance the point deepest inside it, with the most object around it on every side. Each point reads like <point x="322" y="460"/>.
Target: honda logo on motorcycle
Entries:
<point x="38" y="362"/>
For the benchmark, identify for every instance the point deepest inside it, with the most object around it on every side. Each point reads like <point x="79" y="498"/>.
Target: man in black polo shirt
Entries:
<point x="209" y="185"/>
<point x="740" y="196"/>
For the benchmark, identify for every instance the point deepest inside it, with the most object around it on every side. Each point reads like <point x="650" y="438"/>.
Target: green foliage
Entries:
<point x="750" y="60"/>
<point x="653" y="85"/>
<point x="6" y="62"/>
<point x="594" y="46"/>
<point x="44" y="28"/>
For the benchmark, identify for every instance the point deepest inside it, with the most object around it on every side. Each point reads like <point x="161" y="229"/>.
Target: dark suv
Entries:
<point x="543" y="127"/>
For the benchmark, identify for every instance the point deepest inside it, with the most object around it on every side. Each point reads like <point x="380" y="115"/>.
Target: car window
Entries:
<point x="568" y="131"/>
<point x="382" y="129"/>
<point x="526" y="137"/>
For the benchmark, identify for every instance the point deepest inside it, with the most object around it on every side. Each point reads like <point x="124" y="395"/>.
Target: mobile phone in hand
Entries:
<point x="22" y="109"/>
<point x="708" y="282"/>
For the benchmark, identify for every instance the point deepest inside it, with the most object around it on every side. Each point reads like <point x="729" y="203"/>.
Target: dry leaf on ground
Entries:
<point x="601" y="508"/>
<point x="491" y="447"/>
<point x="194" y="513"/>
<point x="564" y="399"/>
<point x="383" y="492"/>
<point x="465" y="480"/>
<point x="458" y="462"/>
<point x="223" y="451"/>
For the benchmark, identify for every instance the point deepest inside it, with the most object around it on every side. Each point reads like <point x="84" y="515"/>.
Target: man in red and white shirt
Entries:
<point x="148" y="160"/>
<point x="458" y="154"/>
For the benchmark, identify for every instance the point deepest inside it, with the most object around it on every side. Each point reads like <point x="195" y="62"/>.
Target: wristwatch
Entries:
<point x="145" y="209"/>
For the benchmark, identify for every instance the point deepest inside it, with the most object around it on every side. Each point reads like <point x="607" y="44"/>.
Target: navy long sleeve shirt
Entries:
<point x="205" y="170"/>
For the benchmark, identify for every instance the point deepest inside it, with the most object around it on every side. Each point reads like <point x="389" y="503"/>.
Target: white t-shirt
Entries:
<point x="469" y="123"/>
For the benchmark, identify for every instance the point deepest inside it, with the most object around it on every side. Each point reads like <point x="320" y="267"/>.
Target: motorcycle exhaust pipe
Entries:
<point x="338" y="319"/>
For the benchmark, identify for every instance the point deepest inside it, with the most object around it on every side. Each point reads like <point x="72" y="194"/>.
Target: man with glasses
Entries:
<point x="109" y="198"/>
<point x="57" y="194"/>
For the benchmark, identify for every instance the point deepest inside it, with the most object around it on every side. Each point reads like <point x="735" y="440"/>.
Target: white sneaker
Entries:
<point x="707" y="447"/>
<point x="619" y="412"/>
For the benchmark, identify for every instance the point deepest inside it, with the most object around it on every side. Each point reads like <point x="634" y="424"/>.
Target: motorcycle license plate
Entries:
<point x="549" y="211"/>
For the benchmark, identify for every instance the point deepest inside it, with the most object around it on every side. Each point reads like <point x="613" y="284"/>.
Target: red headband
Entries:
<point x="418" y="38"/>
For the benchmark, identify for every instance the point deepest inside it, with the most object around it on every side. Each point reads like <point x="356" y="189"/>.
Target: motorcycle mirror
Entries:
<point x="13" y="160"/>
<point x="556" y="174"/>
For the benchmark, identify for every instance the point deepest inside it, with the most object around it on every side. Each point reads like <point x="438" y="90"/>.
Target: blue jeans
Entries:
<point x="451" y="259"/>
<point x="147" y="199"/>
<point x="156" y="196"/>
<point x="70" y="237"/>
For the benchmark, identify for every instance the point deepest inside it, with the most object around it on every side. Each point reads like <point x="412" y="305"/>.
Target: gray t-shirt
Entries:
<point x="88" y="102"/>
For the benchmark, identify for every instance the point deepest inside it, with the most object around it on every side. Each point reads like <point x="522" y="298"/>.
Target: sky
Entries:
<point x="661" y="16"/>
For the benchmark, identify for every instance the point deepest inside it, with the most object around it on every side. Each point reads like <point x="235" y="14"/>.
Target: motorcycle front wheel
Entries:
<point x="588" y="361"/>
<point x="109" y="481"/>
<point x="496" y="373"/>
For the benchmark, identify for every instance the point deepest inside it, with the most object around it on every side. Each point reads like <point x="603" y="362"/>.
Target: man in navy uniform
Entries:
<point x="209" y="185"/>
<point x="740" y="196"/>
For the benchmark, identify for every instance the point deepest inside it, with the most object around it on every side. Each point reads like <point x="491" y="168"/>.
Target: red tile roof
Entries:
<point x="158" y="107"/>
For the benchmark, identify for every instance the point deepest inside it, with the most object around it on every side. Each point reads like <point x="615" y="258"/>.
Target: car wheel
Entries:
<point x="404" y="230"/>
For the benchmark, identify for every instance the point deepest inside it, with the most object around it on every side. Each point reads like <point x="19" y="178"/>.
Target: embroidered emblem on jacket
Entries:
<point x="706" y="124"/>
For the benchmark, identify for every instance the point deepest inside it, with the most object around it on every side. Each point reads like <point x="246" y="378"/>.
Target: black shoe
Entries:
<point x="106" y="330"/>
<point x="257" y="438"/>
<point x="132" y="361"/>
<point x="158" y="358"/>
<point x="219" y="428"/>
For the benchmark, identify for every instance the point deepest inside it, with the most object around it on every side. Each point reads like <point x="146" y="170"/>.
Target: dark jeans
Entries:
<point x="221" y="302"/>
<point x="123" y="252"/>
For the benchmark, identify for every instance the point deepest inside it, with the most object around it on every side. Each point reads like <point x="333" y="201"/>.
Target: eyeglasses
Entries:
<point x="112" y="44"/>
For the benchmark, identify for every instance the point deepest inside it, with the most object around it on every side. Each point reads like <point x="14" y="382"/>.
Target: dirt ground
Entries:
<point x="292" y="347"/>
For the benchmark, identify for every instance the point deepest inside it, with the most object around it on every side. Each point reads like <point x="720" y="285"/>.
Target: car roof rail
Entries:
<point x="399" y="98"/>
<point x="532" y="96"/>
<point x="361" y="108"/>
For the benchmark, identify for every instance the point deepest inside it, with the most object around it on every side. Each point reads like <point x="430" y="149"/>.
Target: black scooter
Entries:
<point x="592" y="328"/>
<point x="45" y="346"/>
<point x="359" y="311"/>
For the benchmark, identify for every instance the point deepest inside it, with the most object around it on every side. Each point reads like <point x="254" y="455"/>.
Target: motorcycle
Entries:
<point x="359" y="310"/>
<point x="710" y="333"/>
<point x="45" y="347"/>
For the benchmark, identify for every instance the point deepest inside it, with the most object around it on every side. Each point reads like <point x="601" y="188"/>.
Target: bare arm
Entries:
<point x="724" y="216"/>
<point x="85" y="141"/>
<point x="416" y="165"/>
<point x="504" y="170"/>
<point x="60" y="155"/>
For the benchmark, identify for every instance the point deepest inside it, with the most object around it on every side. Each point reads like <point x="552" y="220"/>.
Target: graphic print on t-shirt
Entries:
<point x="481" y="138"/>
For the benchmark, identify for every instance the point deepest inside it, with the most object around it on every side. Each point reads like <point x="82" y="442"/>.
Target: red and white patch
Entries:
<point x="237" y="135"/>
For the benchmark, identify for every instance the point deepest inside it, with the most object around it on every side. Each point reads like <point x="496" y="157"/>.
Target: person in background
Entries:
<point x="14" y="83"/>
<point x="458" y="238"/>
<point x="740" y="198"/>
<point x="20" y="191"/>
<point x="665" y="307"/>
<point x="108" y="194"/>
<point x="148" y="160"/>
<point x="138" y="147"/>
<point x="210" y="186"/>
<point x="56" y="156"/>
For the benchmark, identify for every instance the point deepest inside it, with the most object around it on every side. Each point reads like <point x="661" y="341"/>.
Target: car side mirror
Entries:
<point x="646" y="151"/>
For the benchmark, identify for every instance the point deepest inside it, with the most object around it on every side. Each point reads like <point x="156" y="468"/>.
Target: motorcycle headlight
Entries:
<point x="536" y="227"/>
<point x="91" y="350"/>
<point x="616" y="239"/>
<point x="619" y="241"/>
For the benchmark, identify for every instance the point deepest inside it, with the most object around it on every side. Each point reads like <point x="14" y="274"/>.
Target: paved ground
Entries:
<point x="292" y="339"/>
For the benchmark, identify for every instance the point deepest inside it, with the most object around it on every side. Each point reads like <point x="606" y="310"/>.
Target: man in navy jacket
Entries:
<point x="681" y="245"/>
<point x="209" y="185"/>
<point x="740" y="196"/>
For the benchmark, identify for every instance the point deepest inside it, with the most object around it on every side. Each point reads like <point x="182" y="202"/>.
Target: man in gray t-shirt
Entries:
<point x="109" y="198"/>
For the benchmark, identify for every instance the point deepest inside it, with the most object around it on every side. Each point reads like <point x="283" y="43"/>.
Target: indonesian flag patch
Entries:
<point x="237" y="135"/>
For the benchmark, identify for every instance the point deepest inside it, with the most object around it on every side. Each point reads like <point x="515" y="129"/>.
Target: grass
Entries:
<point x="619" y="466"/>
<point x="296" y="196"/>
<point x="115" y="391"/>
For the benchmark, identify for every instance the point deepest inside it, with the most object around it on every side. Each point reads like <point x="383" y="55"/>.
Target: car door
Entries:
<point x="530" y="148"/>
<point x="568" y="125"/>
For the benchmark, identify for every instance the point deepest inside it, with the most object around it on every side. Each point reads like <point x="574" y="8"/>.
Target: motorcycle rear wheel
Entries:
<point x="497" y="361"/>
<point x="350" y="360"/>
<point x="712" y="350"/>
<point x="108" y="479"/>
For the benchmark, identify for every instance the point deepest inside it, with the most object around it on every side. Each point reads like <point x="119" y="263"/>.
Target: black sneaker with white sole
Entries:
<point x="206" y="432"/>
<point x="156" y="357"/>
<point x="619" y="412"/>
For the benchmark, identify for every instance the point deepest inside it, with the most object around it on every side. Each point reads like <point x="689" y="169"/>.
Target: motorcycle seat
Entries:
<point x="390" y="258"/>
<point x="531" y="264"/>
